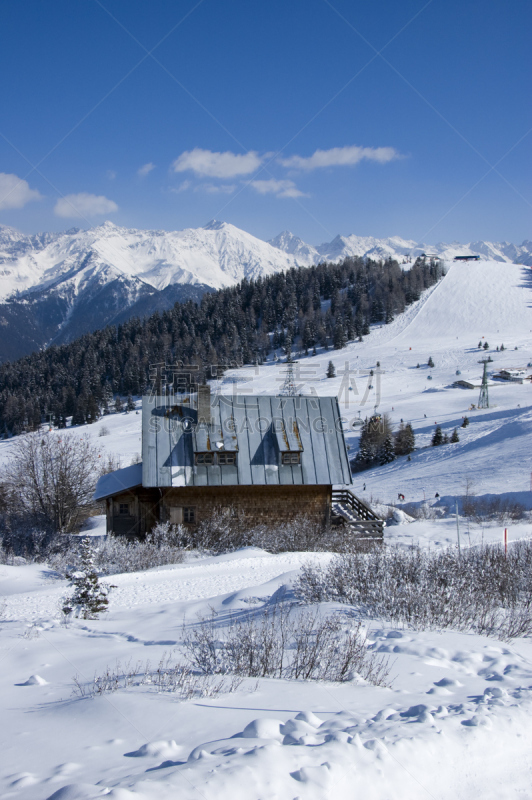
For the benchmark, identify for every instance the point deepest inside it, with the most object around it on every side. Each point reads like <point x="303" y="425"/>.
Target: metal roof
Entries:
<point x="118" y="481"/>
<point x="259" y="429"/>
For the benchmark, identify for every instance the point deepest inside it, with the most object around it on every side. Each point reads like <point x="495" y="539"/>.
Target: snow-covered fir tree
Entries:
<point x="405" y="440"/>
<point x="387" y="451"/>
<point x="89" y="596"/>
<point x="437" y="437"/>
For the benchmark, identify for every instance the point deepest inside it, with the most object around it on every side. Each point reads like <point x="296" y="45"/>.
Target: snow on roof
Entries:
<point x="118" y="481"/>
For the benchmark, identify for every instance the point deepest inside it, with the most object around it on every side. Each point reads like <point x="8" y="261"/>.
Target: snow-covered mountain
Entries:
<point x="395" y="247"/>
<point x="217" y="255"/>
<point x="55" y="286"/>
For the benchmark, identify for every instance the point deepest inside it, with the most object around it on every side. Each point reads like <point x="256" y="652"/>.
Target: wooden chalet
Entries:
<point x="271" y="459"/>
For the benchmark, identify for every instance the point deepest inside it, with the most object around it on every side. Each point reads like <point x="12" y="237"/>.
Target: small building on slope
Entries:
<point x="270" y="459"/>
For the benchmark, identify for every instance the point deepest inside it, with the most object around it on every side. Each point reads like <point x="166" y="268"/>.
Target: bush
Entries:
<point x="50" y="481"/>
<point x="115" y="555"/>
<point x="281" y="641"/>
<point x="494" y="509"/>
<point x="481" y="589"/>
<point x="168" y="676"/>
<point x="226" y="530"/>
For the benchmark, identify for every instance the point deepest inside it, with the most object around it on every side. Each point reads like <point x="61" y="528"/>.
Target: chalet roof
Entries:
<point x="258" y="429"/>
<point x="118" y="481"/>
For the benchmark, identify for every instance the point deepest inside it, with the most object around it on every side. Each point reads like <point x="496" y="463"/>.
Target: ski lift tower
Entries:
<point x="289" y="389"/>
<point x="483" y="400"/>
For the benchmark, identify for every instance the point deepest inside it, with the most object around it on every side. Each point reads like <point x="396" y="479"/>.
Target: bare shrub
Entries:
<point x="468" y="498"/>
<point x="495" y="509"/>
<point x="481" y="589"/>
<point x="283" y="641"/>
<point x="167" y="676"/>
<point x="104" y="431"/>
<point x="50" y="480"/>
<point x="108" y="463"/>
<point x="114" y="555"/>
<point x="226" y="530"/>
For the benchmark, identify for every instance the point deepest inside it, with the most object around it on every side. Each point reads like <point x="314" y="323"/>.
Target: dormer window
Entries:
<point x="291" y="458"/>
<point x="222" y="459"/>
<point x="204" y="458"/>
<point x="226" y="458"/>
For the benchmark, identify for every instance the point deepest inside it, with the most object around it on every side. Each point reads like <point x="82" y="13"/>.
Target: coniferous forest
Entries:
<point x="299" y="311"/>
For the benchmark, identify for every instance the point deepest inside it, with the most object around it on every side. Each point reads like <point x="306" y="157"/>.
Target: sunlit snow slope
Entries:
<point x="484" y="296"/>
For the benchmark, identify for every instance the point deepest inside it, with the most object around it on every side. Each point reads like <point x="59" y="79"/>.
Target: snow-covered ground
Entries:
<point x="456" y="721"/>
<point x="454" y="724"/>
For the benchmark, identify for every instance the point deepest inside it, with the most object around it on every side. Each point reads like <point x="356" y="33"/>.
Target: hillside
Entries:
<point x="306" y="307"/>
<point x="56" y="286"/>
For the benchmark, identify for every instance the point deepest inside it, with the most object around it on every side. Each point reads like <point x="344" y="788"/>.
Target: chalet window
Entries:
<point x="123" y="509"/>
<point x="291" y="458"/>
<point x="226" y="458"/>
<point x="189" y="514"/>
<point x="204" y="458"/>
<point x="176" y="515"/>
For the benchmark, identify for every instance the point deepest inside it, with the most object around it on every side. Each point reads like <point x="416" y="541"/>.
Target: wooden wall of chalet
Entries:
<point x="253" y="504"/>
<point x="143" y="512"/>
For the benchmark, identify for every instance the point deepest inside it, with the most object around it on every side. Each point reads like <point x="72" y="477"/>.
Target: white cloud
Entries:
<point x="341" y="157"/>
<point x="84" y="205"/>
<point x="111" y="174"/>
<point x="145" y="170"/>
<point x="279" y="188"/>
<point x="15" y="192"/>
<point x="183" y="187"/>
<point x="207" y="164"/>
<point x="211" y="188"/>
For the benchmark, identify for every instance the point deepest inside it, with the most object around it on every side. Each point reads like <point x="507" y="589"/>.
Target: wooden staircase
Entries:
<point x="349" y="510"/>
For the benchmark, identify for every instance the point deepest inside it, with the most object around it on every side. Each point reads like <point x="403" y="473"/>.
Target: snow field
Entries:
<point x="456" y="699"/>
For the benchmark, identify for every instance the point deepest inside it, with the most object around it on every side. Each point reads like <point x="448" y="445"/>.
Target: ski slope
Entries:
<point x="484" y="296"/>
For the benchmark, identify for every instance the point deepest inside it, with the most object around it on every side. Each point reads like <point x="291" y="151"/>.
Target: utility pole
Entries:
<point x="483" y="400"/>
<point x="457" y="529"/>
<point x="289" y="388"/>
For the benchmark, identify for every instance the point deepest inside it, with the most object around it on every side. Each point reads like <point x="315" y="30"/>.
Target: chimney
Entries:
<point x="204" y="405"/>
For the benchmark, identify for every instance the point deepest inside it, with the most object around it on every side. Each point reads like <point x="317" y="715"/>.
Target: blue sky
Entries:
<point x="321" y="117"/>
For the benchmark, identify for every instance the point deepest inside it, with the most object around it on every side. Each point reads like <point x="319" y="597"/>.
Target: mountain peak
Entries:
<point x="214" y="225"/>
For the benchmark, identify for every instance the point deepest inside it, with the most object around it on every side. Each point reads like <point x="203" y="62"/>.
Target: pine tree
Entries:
<point x="486" y="346"/>
<point x="404" y="440"/>
<point x="130" y="403"/>
<point x="479" y="344"/>
<point x="503" y="347"/>
<point x="430" y="362"/>
<point x="118" y="405"/>
<point x="454" y="436"/>
<point x="331" y="370"/>
<point x="89" y="597"/>
<point x="437" y="438"/>
<point x="386" y="452"/>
